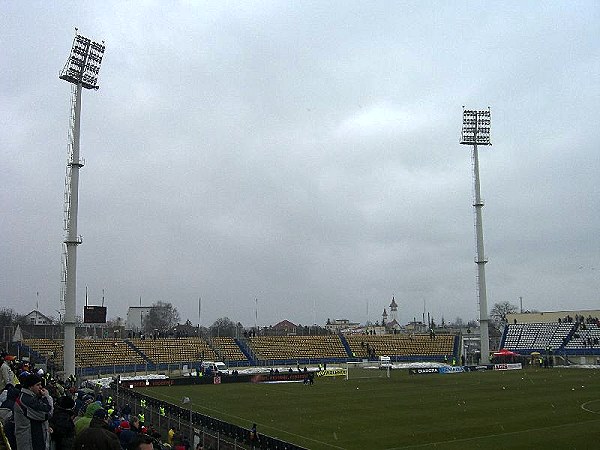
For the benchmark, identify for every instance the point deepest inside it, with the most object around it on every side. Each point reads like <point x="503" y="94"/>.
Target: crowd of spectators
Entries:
<point x="38" y="412"/>
<point x="580" y="320"/>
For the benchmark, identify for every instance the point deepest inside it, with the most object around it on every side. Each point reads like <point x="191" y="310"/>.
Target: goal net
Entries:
<point x="366" y="369"/>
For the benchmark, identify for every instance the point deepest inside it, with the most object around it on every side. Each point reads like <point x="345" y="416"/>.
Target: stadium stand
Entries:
<point x="573" y="338"/>
<point x="228" y="350"/>
<point x="88" y="352"/>
<point x="586" y="338"/>
<point x="174" y="350"/>
<point x="404" y="346"/>
<point x="104" y="355"/>
<point x="288" y="349"/>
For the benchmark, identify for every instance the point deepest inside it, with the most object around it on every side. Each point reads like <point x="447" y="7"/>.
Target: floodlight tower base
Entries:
<point x="72" y="240"/>
<point x="480" y="261"/>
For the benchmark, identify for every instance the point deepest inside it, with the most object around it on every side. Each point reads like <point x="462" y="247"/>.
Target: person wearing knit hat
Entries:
<point x="32" y="410"/>
<point x="30" y="379"/>
<point x="6" y="374"/>
<point x="127" y="434"/>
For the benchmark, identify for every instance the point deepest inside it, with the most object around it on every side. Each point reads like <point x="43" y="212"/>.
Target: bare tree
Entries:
<point x="162" y="317"/>
<point x="501" y="310"/>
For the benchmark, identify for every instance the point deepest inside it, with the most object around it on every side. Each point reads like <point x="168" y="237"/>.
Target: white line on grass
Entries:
<point x="485" y="436"/>
<point x="583" y="406"/>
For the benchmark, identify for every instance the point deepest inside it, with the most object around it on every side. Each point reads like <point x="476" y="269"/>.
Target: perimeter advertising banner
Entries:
<point x="422" y="370"/>
<point x="452" y="369"/>
<point x="338" y="372"/>
<point x="514" y="366"/>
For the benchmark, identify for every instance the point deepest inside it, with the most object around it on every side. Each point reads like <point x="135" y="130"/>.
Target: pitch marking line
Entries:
<point x="485" y="436"/>
<point x="583" y="406"/>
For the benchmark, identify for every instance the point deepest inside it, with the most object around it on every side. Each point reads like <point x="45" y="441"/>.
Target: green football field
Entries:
<point x="530" y="409"/>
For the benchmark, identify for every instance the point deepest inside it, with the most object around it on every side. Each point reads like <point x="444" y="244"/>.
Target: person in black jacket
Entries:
<point x="62" y="425"/>
<point x="97" y="436"/>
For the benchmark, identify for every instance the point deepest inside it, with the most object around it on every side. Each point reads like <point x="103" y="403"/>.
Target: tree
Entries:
<point x="458" y="322"/>
<point x="501" y="310"/>
<point x="10" y="318"/>
<point x="224" y="326"/>
<point x="162" y="317"/>
<point x="472" y="324"/>
<point x="115" y="322"/>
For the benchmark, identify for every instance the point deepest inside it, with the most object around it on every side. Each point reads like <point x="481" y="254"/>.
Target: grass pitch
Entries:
<point x="534" y="408"/>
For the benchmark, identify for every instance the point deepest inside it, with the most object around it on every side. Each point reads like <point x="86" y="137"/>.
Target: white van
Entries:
<point x="221" y="368"/>
<point x="214" y="367"/>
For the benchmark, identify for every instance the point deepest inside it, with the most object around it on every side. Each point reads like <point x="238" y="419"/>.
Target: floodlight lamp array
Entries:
<point x="83" y="64"/>
<point x="476" y="127"/>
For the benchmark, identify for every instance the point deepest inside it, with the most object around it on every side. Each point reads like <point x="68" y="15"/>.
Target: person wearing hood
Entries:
<point x="62" y="425"/>
<point x="33" y="408"/>
<point x="97" y="436"/>
<point x="84" y="421"/>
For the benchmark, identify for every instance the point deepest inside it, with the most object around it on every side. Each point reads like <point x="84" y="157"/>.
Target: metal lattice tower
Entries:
<point x="81" y="70"/>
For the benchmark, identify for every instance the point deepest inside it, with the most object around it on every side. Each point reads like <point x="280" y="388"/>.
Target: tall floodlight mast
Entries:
<point x="81" y="70"/>
<point x="476" y="131"/>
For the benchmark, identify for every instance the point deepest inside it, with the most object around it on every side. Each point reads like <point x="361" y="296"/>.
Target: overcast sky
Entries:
<point x="305" y="154"/>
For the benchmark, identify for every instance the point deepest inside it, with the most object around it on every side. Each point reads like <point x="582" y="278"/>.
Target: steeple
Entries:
<point x="384" y="317"/>
<point x="394" y="309"/>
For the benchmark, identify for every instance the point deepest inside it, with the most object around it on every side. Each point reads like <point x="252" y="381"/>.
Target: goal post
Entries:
<point x="366" y="369"/>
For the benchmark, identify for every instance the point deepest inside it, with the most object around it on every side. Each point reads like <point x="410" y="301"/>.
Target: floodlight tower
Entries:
<point x="81" y="70"/>
<point x="476" y="131"/>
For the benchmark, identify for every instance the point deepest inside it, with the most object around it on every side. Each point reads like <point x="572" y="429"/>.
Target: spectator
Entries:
<point x="6" y="374"/>
<point x="84" y="422"/>
<point x="32" y="410"/>
<point x="62" y="425"/>
<point x="6" y="414"/>
<point x="97" y="436"/>
<point x="126" y="436"/>
<point x="141" y="442"/>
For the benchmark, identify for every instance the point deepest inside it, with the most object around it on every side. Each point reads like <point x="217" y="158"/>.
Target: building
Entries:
<point x="284" y="328"/>
<point x="37" y="318"/>
<point x="135" y="318"/>
<point x="340" y="325"/>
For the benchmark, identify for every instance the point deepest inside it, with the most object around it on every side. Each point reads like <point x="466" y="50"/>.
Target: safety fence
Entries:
<point x="214" y="434"/>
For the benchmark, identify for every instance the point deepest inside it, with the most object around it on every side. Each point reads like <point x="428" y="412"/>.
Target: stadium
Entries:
<point x="299" y="153"/>
<point x="343" y="389"/>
